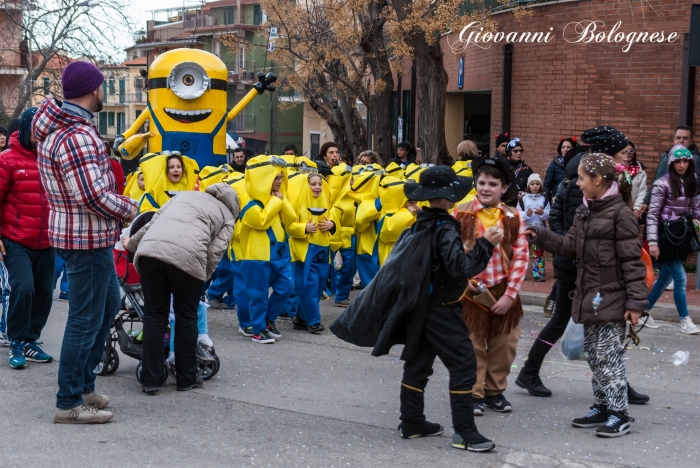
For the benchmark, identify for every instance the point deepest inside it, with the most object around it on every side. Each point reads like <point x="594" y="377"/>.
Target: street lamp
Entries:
<point x="89" y="4"/>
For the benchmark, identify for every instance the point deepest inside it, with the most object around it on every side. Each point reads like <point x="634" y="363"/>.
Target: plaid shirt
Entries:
<point x="494" y="272"/>
<point x="86" y="211"/>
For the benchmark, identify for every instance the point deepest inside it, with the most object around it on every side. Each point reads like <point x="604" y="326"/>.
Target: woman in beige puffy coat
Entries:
<point x="176" y="252"/>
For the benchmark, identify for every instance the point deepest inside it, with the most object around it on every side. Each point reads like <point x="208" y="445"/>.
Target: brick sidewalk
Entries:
<point x="530" y="285"/>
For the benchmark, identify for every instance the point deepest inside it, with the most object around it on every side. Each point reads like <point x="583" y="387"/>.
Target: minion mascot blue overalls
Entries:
<point x="343" y="241"/>
<point x="310" y="247"/>
<point x="265" y="257"/>
<point x="365" y="192"/>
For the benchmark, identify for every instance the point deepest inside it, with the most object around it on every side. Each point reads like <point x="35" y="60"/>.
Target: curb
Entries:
<point x="661" y="311"/>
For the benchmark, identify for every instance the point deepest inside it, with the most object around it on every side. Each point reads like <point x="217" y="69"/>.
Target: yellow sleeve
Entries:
<point x="262" y="218"/>
<point x="366" y="213"/>
<point x="393" y="226"/>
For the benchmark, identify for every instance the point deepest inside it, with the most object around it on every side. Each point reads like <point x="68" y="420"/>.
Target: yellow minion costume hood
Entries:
<point x="237" y="181"/>
<point x="132" y="189"/>
<point x="413" y="172"/>
<point x="395" y="170"/>
<point x="464" y="169"/>
<point x="365" y="184"/>
<point x="391" y="194"/>
<point x="260" y="173"/>
<point x="394" y="218"/>
<point x="159" y="189"/>
<point x="210" y="175"/>
<point x="297" y="181"/>
<point x="342" y="207"/>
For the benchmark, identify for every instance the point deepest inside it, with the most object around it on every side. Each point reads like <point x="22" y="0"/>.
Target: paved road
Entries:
<point x="316" y="401"/>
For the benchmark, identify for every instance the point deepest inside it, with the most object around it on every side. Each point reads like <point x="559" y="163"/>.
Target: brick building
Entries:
<point x="559" y="89"/>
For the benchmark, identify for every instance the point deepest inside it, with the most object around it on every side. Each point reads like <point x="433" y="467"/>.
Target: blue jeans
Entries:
<point x="4" y="297"/>
<point x="94" y="302"/>
<point x="61" y="268"/>
<point x="241" y="297"/>
<point x="667" y="272"/>
<point x="310" y="281"/>
<point x="346" y="274"/>
<point x="223" y="283"/>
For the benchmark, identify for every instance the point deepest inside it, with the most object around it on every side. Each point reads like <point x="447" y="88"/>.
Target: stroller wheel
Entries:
<point x="139" y="366"/>
<point x="113" y="364"/>
<point x="209" y="368"/>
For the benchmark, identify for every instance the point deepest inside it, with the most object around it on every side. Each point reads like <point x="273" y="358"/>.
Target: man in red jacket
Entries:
<point x="24" y="245"/>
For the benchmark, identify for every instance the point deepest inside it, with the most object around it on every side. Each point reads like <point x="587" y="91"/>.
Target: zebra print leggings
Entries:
<point x="602" y="342"/>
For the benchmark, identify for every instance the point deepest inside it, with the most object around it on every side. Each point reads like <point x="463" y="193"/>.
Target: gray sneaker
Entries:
<point x="81" y="414"/>
<point x="96" y="400"/>
<point x="648" y="321"/>
<point x="216" y="303"/>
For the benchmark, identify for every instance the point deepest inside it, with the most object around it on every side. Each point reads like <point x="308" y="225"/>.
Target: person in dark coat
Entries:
<point x="561" y="217"/>
<point x="556" y="171"/>
<point x="441" y="330"/>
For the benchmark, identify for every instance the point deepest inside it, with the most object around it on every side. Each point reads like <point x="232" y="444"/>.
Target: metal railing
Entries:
<point x="201" y="22"/>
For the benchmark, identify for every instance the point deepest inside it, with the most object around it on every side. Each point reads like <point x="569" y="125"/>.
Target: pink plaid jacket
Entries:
<point x="86" y="210"/>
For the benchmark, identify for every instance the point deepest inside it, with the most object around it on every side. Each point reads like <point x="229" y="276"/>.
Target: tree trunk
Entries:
<point x="431" y="90"/>
<point x="374" y="47"/>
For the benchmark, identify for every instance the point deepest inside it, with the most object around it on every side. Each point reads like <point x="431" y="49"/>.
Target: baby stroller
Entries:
<point x="127" y="326"/>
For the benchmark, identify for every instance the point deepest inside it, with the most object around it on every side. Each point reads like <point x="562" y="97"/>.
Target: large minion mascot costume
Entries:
<point x="310" y="248"/>
<point x="187" y="95"/>
<point x="365" y="191"/>
<point x="159" y="188"/>
<point x="395" y="217"/>
<point x="265" y="258"/>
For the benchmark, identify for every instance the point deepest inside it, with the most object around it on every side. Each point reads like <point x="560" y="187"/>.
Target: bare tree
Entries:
<point x="34" y="33"/>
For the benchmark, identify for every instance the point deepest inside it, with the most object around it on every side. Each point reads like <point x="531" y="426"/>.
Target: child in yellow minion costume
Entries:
<point x="210" y="175"/>
<point x="394" y="169"/>
<point x="165" y="175"/>
<point x="397" y="215"/>
<point x="343" y="241"/>
<point x="135" y="185"/>
<point x="264" y="252"/>
<point x="365" y="192"/>
<point x="310" y="247"/>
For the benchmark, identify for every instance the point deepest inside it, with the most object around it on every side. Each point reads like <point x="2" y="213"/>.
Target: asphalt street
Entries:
<point x="311" y="400"/>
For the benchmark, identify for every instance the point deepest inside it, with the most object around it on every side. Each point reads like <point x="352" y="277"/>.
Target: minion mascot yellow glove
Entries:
<point x="365" y="192"/>
<point x="310" y="246"/>
<point x="159" y="188"/>
<point x="265" y="257"/>
<point x="395" y="217"/>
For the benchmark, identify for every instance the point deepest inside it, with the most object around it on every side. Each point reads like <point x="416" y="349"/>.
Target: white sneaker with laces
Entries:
<point x="670" y="286"/>
<point x="648" y="321"/>
<point x="688" y="327"/>
<point x="4" y="340"/>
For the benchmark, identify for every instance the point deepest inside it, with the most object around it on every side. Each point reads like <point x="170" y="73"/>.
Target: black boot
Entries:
<point x="533" y="384"/>
<point x="413" y="423"/>
<point x="635" y="398"/>
<point x="466" y="436"/>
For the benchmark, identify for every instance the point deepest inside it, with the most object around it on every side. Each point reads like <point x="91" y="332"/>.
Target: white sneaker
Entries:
<point x="4" y="340"/>
<point x="670" y="286"/>
<point x="648" y="321"/>
<point x="688" y="327"/>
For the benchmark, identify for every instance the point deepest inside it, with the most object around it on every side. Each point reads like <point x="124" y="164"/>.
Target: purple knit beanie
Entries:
<point x="80" y="78"/>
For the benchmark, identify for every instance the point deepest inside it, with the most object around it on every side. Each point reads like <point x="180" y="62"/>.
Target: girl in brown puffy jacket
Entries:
<point x="610" y="286"/>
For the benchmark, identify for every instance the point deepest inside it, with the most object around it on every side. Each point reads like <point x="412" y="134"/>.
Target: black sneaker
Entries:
<point x="315" y="329"/>
<point x="498" y="403"/>
<point x="533" y="384"/>
<point x="635" y="398"/>
<point x="199" y="383"/>
<point x="247" y="331"/>
<point x="548" y="307"/>
<point x="425" y="429"/>
<point x="273" y="331"/>
<point x="597" y="416"/>
<point x="299" y="324"/>
<point x="472" y="441"/>
<point x="263" y="337"/>
<point x="618" y="424"/>
<point x="478" y="405"/>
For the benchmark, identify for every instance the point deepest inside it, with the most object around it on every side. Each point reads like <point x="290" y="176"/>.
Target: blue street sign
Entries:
<point x="460" y="73"/>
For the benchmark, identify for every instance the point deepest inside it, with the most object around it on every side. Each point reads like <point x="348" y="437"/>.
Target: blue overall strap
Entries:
<point x="250" y="204"/>
<point x="218" y="127"/>
<point x="160" y="128"/>
<point x="150" y="199"/>
<point x="380" y="224"/>
<point x="378" y="207"/>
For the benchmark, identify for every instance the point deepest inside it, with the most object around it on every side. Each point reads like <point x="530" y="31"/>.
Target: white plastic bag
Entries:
<point x="572" y="342"/>
<point x="338" y="261"/>
<point x="681" y="358"/>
